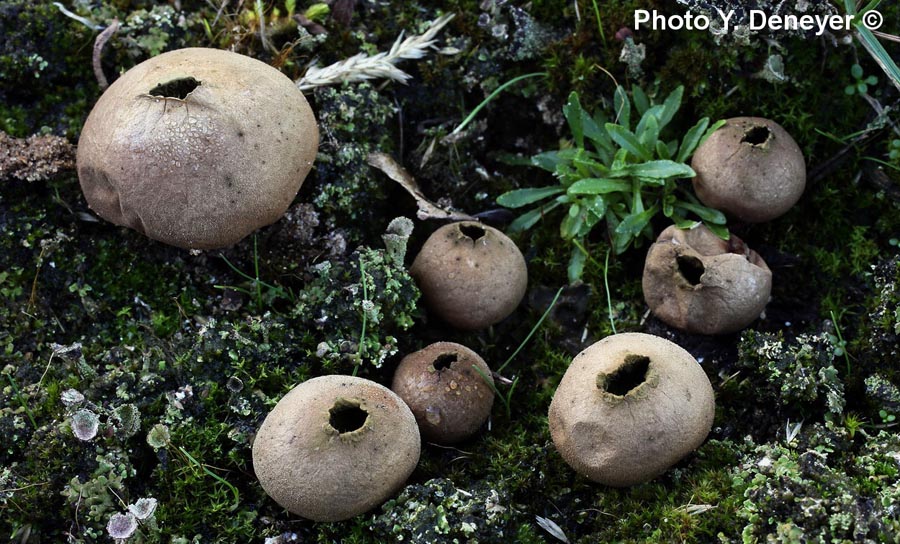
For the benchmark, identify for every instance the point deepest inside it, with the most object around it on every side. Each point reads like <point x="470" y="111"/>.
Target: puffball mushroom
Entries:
<point x="471" y="275"/>
<point x="335" y="447"/>
<point x="695" y="281"/>
<point x="750" y="168"/>
<point x="450" y="399"/>
<point x="629" y="407"/>
<point x="197" y="148"/>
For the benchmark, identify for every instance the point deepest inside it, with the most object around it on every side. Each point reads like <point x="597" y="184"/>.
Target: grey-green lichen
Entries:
<point x="439" y="512"/>
<point x="797" y="373"/>
<point x="820" y="490"/>
<point x="358" y="307"/>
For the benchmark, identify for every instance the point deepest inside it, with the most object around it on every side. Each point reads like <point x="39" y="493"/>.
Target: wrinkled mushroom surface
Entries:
<point x="750" y="168"/>
<point x="695" y="281"/>
<point x="197" y="148"/>
<point x="471" y="275"/>
<point x="335" y="447"/>
<point x="629" y="407"/>
<point x="450" y="399"/>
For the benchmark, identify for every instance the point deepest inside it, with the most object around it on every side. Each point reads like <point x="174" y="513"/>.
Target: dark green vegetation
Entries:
<point x="176" y="357"/>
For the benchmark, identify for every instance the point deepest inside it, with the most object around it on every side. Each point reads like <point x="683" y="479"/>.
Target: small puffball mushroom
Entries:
<point x="629" y="407"/>
<point x="750" y="168"/>
<point x="449" y="397"/>
<point x="335" y="447"/>
<point x="197" y="148"/>
<point x="471" y="275"/>
<point x="695" y="281"/>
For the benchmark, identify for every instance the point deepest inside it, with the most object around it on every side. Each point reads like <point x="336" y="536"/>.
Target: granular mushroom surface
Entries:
<point x="751" y="168"/>
<point x="335" y="447"/>
<point x="697" y="282"/>
<point x="629" y="407"/>
<point x="197" y="148"/>
<point x="471" y="275"/>
<point x="448" y="388"/>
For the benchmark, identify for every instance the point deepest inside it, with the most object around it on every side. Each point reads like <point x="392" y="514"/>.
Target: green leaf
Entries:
<point x="574" y="114"/>
<point x="628" y="141"/>
<point x="547" y="160"/>
<point x="588" y="163"/>
<point x="662" y="150"/>
<point x="571" y="223"/>
<point x="671" y="106"/>
<point x="691" y="140"/>
<point x="576" y="264"/>
<point x="522" y="197"/>
<point x="856" y="71"/>
<point x="594" y="132"/>
<point x="619" y="164"/>
<point x="706" y="214"/>
<point x="662" y="169"/>
<point x="669" y="205"/>
<point x="598" y="186"/>
<point x="716" y="126"/>
<point x="529" y="218"/>
<point x="623" y="107"/>
<point x="596" y="209"/>
<point x="685" y="224"/>
<point x="632" y="224"/>
<point x="648" y="131"/>
<point x="719" y="230"/>
<point x="641" y="102"/>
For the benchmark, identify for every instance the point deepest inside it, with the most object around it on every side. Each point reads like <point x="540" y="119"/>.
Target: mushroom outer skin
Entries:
<point x="315" y="471"/>
<point x="629" y="438"/>
<point x="750" y="168"/>
<point x="697" y="282"/>
<point x="197" y="163"/>
<point x="471" y="275"/>
<point x="449" y="398"/>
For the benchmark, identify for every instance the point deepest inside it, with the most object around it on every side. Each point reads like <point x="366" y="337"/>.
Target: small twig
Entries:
<point x="24" y="487"/>
<point x="99" y="43"/>
<point x="34" y="284"/>
<point x="886" y="36"/>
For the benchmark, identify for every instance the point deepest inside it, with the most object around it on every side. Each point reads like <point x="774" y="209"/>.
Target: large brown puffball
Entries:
<point x="750" y="168"/>
<point x="335" y="447"/>
<point x="695" y="281"/>
<point x="197" y="148"/>
<point x="471" y="275"/>
<point x="629" y="407"/>
<point x="448" y="388"/>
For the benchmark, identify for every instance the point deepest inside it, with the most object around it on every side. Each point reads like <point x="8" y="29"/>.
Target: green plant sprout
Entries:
<point x="22" y="400"/>
<point x="619" y="175"/>
<point x="837" y="340"/>
<point x="491" y="96"/>
<point x="273" y="292"/>
<point x="860" y="83"/>
<point x="869" y="40"/>
<point x="192" y="461"/>
<point x="507" y="398"/>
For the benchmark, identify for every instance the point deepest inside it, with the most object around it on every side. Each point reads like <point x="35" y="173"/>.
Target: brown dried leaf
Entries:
<point x="427" y="209"/>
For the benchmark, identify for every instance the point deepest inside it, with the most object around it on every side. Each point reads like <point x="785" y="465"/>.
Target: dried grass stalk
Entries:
<point x="362" y="67"/>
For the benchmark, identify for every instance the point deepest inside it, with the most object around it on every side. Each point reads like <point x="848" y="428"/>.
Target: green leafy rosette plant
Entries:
<point x="620" y="175"/>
